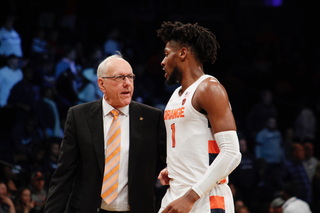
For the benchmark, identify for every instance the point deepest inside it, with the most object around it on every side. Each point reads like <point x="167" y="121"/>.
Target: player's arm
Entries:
<point x="212" y="98"/>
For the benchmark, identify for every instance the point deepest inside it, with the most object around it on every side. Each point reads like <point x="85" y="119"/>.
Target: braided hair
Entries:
<point x="202" y="42"/>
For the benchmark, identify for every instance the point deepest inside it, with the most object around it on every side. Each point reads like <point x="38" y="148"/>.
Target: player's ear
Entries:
<point x="183" y="53"/>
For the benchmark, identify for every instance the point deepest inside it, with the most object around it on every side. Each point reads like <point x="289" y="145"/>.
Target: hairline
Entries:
<point x="103" y="65"/>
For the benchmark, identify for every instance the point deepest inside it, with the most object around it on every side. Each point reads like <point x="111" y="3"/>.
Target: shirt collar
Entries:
<point x="106" y="108"/>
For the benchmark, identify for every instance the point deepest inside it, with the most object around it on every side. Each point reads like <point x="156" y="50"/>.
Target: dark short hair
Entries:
<point x="202" y="42"/>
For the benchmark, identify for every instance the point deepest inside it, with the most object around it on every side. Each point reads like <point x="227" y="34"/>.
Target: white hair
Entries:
<point x="102" y="66"/>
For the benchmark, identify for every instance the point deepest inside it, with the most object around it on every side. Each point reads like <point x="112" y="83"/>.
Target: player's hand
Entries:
<point x="183" y="204"/>
<point x="163" y="177"/>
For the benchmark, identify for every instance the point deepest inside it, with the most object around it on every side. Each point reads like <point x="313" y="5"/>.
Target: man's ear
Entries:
<point x="100" y="84"/>
<point x="183" y="53"/>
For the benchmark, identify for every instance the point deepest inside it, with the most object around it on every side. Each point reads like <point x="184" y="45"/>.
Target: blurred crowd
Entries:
<point x="268" y="62"/>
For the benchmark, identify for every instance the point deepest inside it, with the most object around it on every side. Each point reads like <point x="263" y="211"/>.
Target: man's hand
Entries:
<point x="183" y="204"/>
<point x="163" y="177"/>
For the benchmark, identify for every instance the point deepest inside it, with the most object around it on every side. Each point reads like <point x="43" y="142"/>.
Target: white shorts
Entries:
<point x="219" y="200"/>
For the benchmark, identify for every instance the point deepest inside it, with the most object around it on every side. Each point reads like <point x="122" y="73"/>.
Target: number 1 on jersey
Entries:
<point x="173" y="135"/>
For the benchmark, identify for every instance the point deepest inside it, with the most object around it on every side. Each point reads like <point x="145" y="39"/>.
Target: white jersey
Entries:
<point x="191" y="149"/>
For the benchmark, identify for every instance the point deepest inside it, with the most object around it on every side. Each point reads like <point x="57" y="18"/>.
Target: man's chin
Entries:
<point x="121" y="103"/>
<point x="171" y="83"/>
<point x="126" y="102"/>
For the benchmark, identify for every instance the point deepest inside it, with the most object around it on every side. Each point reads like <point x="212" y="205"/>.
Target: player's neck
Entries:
<point x="189" y="79"/>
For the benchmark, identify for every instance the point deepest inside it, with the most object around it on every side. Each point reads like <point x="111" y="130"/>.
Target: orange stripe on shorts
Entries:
<point x="213" y="147"/>
<point x="216" y="202"/>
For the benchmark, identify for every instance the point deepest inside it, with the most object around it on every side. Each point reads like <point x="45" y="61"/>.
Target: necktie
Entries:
<point x="112" y="160"/>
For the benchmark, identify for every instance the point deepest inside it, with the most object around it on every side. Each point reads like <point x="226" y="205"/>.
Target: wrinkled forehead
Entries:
<point x="119" y="67"/>
<point x="116" y="66"/>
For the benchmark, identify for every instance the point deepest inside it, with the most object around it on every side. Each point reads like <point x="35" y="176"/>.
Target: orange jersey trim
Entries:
<point x="217" y="202"/>
<point x="213" y="147"/>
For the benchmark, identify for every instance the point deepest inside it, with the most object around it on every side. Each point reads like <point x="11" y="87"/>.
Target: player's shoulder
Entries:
<point x="210" y="79"/>
<point x="210" y="84"/>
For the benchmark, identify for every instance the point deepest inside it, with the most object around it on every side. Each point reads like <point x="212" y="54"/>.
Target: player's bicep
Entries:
<point x="213" y="99"/>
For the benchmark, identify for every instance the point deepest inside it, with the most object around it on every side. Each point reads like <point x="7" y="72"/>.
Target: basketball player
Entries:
<point x="202" y="143"/>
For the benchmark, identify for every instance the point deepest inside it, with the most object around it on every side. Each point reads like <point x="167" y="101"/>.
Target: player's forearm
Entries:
<point x="226" y="161"/>
<point x="191" y="196"/>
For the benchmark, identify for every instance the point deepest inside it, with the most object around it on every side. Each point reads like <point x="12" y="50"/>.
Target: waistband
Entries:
<point x="106" y="211"/>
